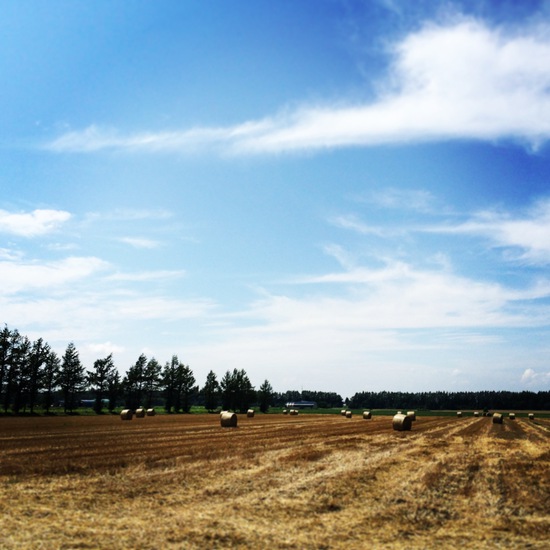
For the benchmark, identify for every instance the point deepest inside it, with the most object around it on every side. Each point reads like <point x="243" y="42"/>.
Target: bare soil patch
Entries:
<point x="309" y="482"/>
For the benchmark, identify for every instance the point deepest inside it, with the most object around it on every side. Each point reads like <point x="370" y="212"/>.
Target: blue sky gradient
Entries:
<point x="333" y="195"/>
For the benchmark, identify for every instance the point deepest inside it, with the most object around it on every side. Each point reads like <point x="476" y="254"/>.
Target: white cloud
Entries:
<point x="104" y="348"/>
<point x="32" y="224"/>
<point x="353" y="223"/>
<point x="529" y="233"/>
<point x="21" y="276"/>
<point x="532" y="378"/>
<point x="140" y="242"/>
<point x="459" y="80"/>
<point x="399" y="296"/>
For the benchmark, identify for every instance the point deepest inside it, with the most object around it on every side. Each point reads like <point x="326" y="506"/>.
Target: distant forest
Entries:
<point x="33" y="377"/>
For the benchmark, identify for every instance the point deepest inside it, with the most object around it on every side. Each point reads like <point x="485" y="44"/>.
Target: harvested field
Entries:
<point x="308" y="482"/>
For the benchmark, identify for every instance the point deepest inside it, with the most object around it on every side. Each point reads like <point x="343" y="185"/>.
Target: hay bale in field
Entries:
<point x="228" y="419"/>
<point x="293" y="412"/>
<point x="512" y="416"/>
<point x="367" y="415"/>
<point x="343" y="412"/>
<point x="402" y="422"/>
<point x="140" y="413"/>
<point x="285" y="411"/>
<point x="126" y="414"/>
<point x="459" y="414"/>
<point x="531" y="416"/>
<point x="476" y="413"/>
<point x="497" y="418"/>
<point x="250" y="413"/>
<point x="412" y="415"/>
<point x="151" y="412"/>
<point x="348" y="414"/>
<point x="399" y="412"/>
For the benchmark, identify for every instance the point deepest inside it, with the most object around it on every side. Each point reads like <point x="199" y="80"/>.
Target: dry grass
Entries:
<point x="309" y="482"/>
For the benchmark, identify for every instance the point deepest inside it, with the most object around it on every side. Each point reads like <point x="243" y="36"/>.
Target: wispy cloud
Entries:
<point x="353" y="223"/>
<point x="458" y="80"/>
<point x="23" y="276"/>
<point x="146" y="275"/>
<point x="528" y="235"/>
<point x="140" y="242"/>
<point x="32" y="224"/>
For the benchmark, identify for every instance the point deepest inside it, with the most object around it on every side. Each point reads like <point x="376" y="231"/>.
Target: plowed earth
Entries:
<point x="307" y="482"/>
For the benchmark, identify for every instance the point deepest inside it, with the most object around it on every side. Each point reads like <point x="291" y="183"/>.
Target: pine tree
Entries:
<point x="211" y="392"/>
<point x="72" y="378"/>
<point x="98" y="379"/>
<point x="265" y="396"/>
<point x="152" y="381"/>
<point x="134" y="383"/>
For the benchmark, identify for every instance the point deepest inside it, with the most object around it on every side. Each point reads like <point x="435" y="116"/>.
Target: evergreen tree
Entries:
<point x="114" y="389"/>
<point x="72" y="378"/>
<point x="211" y="392"/>
<point x="152" y="381"/>
<point x="5" y="355"/>
<point x="237" y="391"/>
<point x="186" y="388"/>
<point x="50" y="375"/>
<point x="169" y="383"/>
<point x="134" y="383"/>
<point x="16" y="377"/>
<point x="98" y="380"/>
<point x="265" y="396"/>
<point x="37" y="359"/>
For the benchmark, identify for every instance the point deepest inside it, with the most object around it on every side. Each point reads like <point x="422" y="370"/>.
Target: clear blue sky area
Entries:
<point x="332" y="195"/>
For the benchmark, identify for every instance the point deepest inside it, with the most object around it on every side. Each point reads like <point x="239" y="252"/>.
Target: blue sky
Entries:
<point x="333" y="195"/>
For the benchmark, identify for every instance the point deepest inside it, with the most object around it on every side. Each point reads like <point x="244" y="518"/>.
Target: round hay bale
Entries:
<point x="512" y="416"/>
<point x="399" y="412"/>
<point x="476" y="413"/>
<point x="402" y="422"/>
<point x="531" y="416"/>
<point x="367" y="415"/>
<point x="126" y="414"/>
<point x="459" y="414"/>
<point x="151" y="412"/>
<point x="348" y="414"/>
<point x="343" y="412"/>
<point x="285" y="411"/>
<point x="228" y="419"/>
<point x="293" y="412"/>
<point x="250" y="413"/>
<point x="140" y="413"/>
<point x="412" y="415"/>
<point x="497" y="418"/>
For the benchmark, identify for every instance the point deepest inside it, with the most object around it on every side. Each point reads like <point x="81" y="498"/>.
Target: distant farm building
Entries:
<point x="301" y="405"/>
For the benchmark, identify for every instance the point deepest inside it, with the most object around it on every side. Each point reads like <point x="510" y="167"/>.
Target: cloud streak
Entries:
<point x="529" y="235"/>
<point x="457" y="80"/>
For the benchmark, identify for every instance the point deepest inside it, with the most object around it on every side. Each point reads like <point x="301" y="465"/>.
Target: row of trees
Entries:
<point x="33" y="375"/>
<point x="481" y="400"/>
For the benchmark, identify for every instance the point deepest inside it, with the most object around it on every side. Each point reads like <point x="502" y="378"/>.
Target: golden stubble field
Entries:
<point x="307" y="482"/>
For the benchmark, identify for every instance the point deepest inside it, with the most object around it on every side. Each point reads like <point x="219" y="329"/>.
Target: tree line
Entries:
<point x="441" y="400"/>
<point x="32" y="375"/>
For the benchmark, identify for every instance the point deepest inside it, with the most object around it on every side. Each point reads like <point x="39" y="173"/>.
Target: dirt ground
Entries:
<point x="307" y="482"/>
